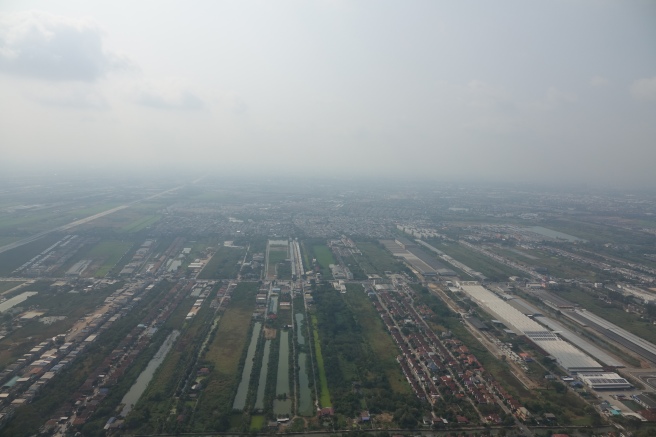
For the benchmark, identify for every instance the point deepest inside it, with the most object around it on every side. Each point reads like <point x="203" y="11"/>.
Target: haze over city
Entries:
<point x="548" y="92"/>
<point x="359" y="218"/>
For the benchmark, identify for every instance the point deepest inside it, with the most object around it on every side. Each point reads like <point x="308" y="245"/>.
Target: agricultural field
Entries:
<point x="141" y="223"/>
<point x="107" y="254"/>
<point x="376" y="260"/>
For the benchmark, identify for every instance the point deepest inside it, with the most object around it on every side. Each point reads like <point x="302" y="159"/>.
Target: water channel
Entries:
<point x="283" y="407"/>
<point x="132" y="396"/>
<point x="304" y="395"/>
<point x="273" y="305"/>
<point x="242" y="390"/>
<point x="299" y="328"/>
<point x="261" y="386"/>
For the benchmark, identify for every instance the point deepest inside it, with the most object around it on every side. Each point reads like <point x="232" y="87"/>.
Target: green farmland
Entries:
<point x="107" y="254"/>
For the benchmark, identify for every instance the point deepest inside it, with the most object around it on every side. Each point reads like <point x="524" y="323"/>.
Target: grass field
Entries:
<point x="32" y="222"/>
<point x="560" y="267"/>
<point x="141" y="223"/>
<point x="109" y="253"/>
<point x="324" y="399"/>
<point x="323" y="255"/>
<point x="376" y="337"/>
<point x="625" y="320"/>
<point x="276" y="256"/>
<point x="257" y="422"/>
<point x="481" y="263"/>
<point x="12" y="259"/>
<point x="8" y="285"/>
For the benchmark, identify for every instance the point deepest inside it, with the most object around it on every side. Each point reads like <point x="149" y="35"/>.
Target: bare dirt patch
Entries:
<point x="270" y="333"/>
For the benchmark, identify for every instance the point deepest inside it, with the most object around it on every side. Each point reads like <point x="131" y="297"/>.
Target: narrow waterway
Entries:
<point x="305" y="407"/>
<point x="242" y="390"/>
<point x="259" y="401"/>
<point x="283" y="406"/>
<point x="132" y="396"/>
<point x="299" y="328"/>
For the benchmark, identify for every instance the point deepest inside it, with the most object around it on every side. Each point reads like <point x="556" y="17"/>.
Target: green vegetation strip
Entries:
<point x="223" y="358"/>
<point x="324" y="398"/>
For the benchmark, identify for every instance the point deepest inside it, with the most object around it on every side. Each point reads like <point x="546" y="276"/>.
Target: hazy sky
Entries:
<point x="559" y="91"/>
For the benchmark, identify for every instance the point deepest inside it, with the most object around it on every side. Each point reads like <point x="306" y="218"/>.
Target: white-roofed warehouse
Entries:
<point x="605" y="380"/>
<point x="567" y="356"/>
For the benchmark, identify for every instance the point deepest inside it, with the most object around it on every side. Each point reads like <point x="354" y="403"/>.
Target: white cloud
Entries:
<point x="554" y="98"/>
<point x="599" y="81"/>
<point x="485" y="96"/>
<point x="73" y="96"/>
<point x="557" y="97"/>
<point x="644" y="89"/>
<point x="168" y="94"/>
<point x="50" y="47"/>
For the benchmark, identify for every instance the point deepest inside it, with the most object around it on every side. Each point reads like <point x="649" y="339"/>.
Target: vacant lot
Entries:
<point x="224" y="264"/>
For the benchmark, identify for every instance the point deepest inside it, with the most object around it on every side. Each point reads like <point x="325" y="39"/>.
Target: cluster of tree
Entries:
<point x="354" y="374"/>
